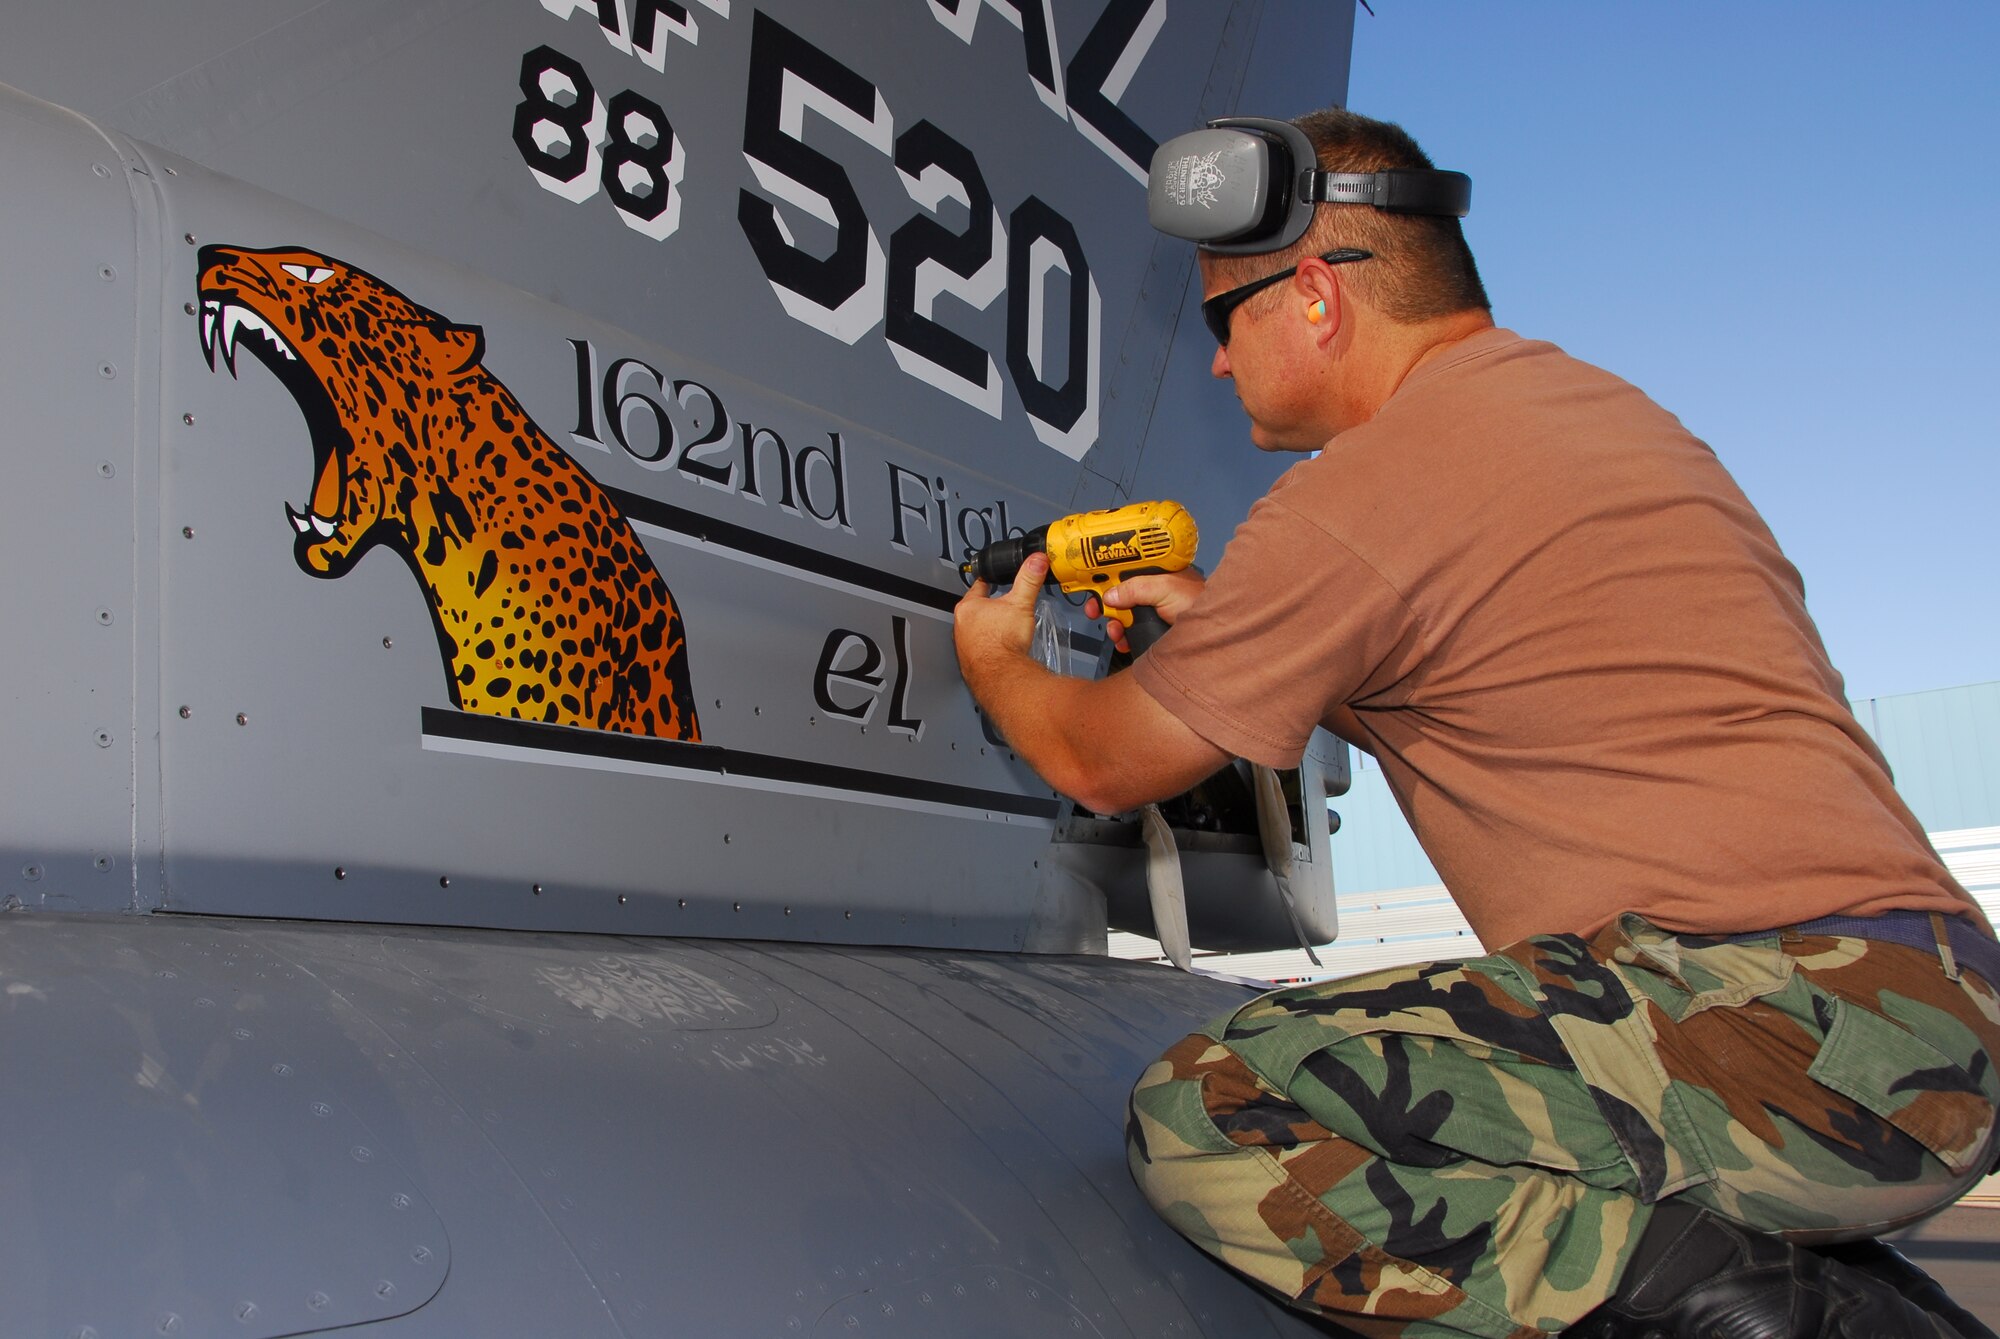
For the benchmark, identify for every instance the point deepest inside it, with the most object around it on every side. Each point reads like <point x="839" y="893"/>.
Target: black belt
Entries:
<point x="1969" y="945"/>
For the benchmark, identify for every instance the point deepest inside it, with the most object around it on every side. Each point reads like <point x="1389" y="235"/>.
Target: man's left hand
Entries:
<point x="990" y="630"/>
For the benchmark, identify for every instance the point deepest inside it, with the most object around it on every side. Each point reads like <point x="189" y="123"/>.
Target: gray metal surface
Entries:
<point x="224" y="1126"/>
<point x="218" y="727"/>
<point x="218" y="1163"/>
<point x="579" y="1135"/>
<point x="398" y="117"/>
<point x="1960" y="1248"/>
<point x="73" y="379"/>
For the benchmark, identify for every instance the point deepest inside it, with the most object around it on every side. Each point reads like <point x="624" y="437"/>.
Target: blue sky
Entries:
<point x="1783" y="222"/>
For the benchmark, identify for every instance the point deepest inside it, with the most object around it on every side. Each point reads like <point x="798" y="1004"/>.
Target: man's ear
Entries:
<point x="1319" y="290"/>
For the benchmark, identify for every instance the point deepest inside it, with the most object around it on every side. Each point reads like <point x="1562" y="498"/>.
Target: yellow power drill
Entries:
<point x="1095" y="550"/>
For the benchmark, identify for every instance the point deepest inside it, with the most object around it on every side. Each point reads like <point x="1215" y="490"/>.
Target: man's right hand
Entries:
<point x="1171" y="593"/>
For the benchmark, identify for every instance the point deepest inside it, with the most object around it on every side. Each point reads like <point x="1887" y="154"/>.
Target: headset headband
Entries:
<point x="1248" y="184"/>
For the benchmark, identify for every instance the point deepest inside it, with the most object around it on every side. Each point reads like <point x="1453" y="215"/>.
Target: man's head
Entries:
<point x="1421" y="268"/>
<point x="1322" y="346"/>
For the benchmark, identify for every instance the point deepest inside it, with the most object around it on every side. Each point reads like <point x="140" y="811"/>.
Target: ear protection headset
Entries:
<point x="1248" y="184"/>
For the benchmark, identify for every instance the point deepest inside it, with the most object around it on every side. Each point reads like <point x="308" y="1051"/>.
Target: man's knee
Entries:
<point x="1220" y="1157"/>
<point x="1174" y="1134"/>
<point x="1250" y="1177"/>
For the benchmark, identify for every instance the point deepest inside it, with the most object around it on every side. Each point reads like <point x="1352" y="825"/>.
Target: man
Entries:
<point x="1736" y="1008"/>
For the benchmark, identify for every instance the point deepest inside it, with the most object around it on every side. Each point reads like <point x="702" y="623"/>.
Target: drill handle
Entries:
<point x="1146" y="628"/>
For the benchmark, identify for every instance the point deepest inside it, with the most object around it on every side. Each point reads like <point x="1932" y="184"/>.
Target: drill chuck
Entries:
<point x="1000" y="562"/>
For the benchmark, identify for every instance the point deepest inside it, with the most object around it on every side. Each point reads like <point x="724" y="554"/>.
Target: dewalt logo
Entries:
<point x="1110" y="550"/>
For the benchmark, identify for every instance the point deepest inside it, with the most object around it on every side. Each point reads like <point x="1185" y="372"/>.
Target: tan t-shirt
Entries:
<point x="1586" y="668"/>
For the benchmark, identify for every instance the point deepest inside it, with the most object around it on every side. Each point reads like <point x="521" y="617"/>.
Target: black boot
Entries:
<point x="1883" y="1262"/>
<point x="1697" y="1276"/>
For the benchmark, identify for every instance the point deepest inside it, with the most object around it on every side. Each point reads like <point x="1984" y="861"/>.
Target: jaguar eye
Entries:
<point x="317" y="274"/>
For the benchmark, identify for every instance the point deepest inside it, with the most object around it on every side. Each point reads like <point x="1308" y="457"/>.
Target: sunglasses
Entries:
<point x="1218" y="309"/>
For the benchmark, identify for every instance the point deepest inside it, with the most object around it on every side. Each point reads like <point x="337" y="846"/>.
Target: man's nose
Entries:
<point x="1219" y="365"/>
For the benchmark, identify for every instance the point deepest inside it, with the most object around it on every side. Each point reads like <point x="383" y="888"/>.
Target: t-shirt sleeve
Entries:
<point x="1292" y="625"/>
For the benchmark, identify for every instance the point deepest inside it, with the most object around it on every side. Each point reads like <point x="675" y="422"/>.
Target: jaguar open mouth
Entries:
<point x="229" y="327"/>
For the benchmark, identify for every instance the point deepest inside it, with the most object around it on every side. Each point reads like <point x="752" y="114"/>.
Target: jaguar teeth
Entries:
<point x="223" y="324"/>
<point x="304" y="521"/>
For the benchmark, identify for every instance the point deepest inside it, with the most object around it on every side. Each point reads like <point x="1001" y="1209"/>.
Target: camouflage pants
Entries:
<point x="1473" y="1147"/>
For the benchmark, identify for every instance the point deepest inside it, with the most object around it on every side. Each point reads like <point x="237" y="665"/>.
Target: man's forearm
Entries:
<point x="1041" y="714"/>
<point x="1104" y="742"/>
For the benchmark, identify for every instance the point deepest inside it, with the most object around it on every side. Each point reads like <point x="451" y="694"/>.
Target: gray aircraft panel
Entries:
<point x="92" y="57"/>
<point x="286" y="105"/>
<point x="284" y="100"/>
<point x="319" y="728"/>
<point x="268" y="673"/>
<point x="583" y="1135"/>
<point x="72" y="383"/>
<point x="263" y="670"/>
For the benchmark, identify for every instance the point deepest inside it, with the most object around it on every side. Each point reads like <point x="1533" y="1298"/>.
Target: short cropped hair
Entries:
<point x="1422" y="267"/>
